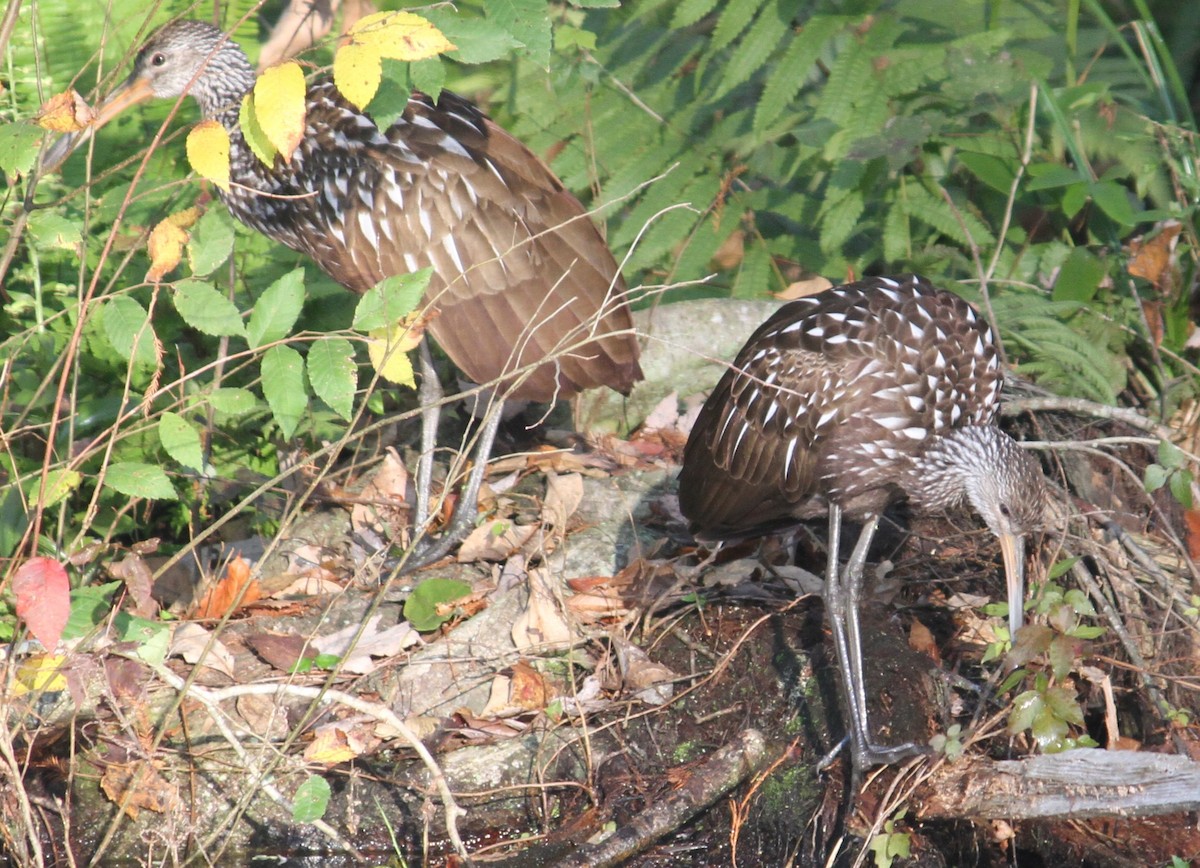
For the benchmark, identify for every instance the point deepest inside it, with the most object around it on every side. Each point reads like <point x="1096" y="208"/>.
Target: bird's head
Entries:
<point x="1005" y="485"/>
<point x="184" y="56"/>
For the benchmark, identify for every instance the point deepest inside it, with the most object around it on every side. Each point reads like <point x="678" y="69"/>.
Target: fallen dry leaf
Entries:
<point x="65" y="113"/>
<point x="235" y="589"/>
<point x="564" y="493"/>
<point x="541" y="625"/>
<point x="147" y="788"/>
<point x="650" y="681"/>
<point x="804" y="288"/>
<point x="283" y="651"/>
<point x="1151" y="259"/>
<point x="342" y="740"/>
<point x="921" y="640"/>
<point x="190" y="640"/>
<point x="372" y="643"/>
<point x="494" y="541"/>
<point x="135" y="573"/>
<point x="382" y="506"/>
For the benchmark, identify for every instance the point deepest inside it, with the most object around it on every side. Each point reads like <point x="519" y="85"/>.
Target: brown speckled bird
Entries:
<point x="522" y="278"/>
<point x="843" y="402"/>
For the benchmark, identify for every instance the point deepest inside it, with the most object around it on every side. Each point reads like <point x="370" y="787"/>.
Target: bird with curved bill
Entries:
<point x="841" y="403"/>
<point x="528" y="296"/>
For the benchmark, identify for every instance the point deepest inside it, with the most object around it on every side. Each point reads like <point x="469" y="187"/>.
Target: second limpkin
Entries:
<point x="841" y="403"/>
<point x="528" y="295"/>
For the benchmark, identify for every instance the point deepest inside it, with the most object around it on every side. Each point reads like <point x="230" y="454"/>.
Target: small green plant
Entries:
<point x="1171" y="471"/>
<point x="950" y="744"/>
<point x="890" y="845"/>
<point x="1049" y="709"/>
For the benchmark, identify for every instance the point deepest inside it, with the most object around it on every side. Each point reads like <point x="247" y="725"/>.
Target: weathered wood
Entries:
<point x="1079" y="783"/>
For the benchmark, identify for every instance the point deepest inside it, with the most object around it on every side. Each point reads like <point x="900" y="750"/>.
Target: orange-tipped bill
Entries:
<point x="1012" y="547"/>
<point x="130" y="93"/>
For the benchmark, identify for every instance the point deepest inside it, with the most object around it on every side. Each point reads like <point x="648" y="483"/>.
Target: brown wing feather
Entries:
<point x="831" y="399"/>
<point x="521" y="272"/>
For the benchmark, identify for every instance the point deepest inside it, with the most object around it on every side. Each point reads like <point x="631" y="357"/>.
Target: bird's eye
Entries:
<point x="1005" y="511"/>
<point x="158" y="59"/>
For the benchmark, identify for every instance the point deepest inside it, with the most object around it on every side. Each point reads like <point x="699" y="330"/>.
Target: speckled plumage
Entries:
<point x="839" y="404"/>
<point x="521" y="273"/>
<point x="860" y="395"/>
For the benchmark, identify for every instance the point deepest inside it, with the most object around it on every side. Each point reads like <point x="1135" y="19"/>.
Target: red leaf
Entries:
<point x="43" y="599"/>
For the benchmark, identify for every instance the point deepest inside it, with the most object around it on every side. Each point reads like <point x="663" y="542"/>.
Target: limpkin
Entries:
<point x="841" y="403"/>
<point x="521" y="274"/>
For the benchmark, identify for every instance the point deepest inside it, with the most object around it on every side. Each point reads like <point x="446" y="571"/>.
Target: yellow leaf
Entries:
<point x="165" y="247"/>
<point x="253" y="133"/>
<point x="331" y="745"/>
<point x="356" y="73"/>
<point x="388" y="352"/>
<point x="400" y="36"/>
<point x="208" y="152"/>
<point x="40" y="672"/>
<point x="65" y="113"/>
<point x="186" y="218"/>
<point x="279" y="106"/>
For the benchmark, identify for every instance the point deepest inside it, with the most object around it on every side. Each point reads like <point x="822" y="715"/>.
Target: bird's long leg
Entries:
<point x="468" y="500"/>
<point x="843" y="594"/>
<point x="867" y="752"/>
<point x="430" y="396"/>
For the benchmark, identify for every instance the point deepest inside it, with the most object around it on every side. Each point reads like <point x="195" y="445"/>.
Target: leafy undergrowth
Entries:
<point x="316" y="679"/>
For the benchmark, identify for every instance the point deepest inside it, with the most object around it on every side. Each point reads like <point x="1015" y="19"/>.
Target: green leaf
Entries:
<point x="1155" y="477"/>
<point x="333" y="374"/>
<point x="137" y="479"/>
<point x="311" y="800"/>
<point x="90" y="606"/>
<point x="19" y="144"/>
<point x="127" y="327"/>
<point x="181" y="440"/>
<point x="233" y="401"/>
<point x="277" y="309"/>
<point x="210" y="242"/>
<point x="1180" y="483"/>
<point x="421" y="607"/>
<point x="1079" y="277"/>
<point x="390" y="300"/>
<point x="1113" y="200"/>
<point x="53" y="230"/>
<point x="478" y="41"/>
<point x="207" y="310"/>
<point x="1059" y="568"/>
<point x="428" y="76"/>
<point x="688" y="12"/>
<point x="1170" y="455"/>
<point x="794" y="67"/>
<point x="528" y="22"/>
<point x="152" y="638"/>
<point x="996" y="172"/>
<point x="59" y="486"/>
<point x="283" y="386"/>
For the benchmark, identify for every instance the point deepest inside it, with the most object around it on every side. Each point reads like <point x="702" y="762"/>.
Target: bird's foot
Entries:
<point x="869" y="754"/>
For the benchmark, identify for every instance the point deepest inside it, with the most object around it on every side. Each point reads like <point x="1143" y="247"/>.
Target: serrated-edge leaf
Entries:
<point x="233" y="401"/>
<point x="280" y="104"/>
<point x="735" y="17"/>
<point x="391" y="299"/>
<point x="126" y="321"/>
<point x="138" y="479"/>
<point x="207" y="310"/>
<point x="210" y="242"/>
<point x="255" y="138"/>
<point x="208" y="152"/>
<point x="754" y="50"/>
<point x="794" y="68"/>
<point x="181" y="440"/>
<point x="277" y="309"/>
<point x="333" y="374"/>
<point x="283" y="386"/>
<point x="688" y="12"/>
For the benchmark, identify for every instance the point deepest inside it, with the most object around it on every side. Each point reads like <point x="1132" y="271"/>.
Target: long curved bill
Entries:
<point x="129" y="93"/>
<point x="1012" y="547"/>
